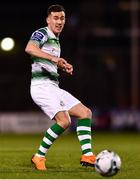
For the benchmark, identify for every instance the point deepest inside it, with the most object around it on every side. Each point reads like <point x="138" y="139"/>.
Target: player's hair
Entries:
<point x="55" y="8"/>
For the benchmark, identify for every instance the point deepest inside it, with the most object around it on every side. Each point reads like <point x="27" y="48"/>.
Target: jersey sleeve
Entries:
<point x="39" y="37"/>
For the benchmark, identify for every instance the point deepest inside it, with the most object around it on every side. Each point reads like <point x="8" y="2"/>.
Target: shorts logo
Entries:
<point x="37" y="36"/>
<point x="62" y="103"/>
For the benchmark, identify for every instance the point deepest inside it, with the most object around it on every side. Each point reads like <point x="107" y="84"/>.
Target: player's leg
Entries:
<point x="62" y="122"/>
<point x="84" y="116"/>
<point x="46" y="95"/>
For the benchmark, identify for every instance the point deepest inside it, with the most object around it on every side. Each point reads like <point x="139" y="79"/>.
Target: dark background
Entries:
<point x="97" y="40"/>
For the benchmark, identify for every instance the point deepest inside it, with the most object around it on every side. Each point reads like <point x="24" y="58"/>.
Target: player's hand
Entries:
<point x="57" y="60"/>
<point x="65" y="66"/>
<point x="61" y="63"/>
<point x="69" y="68"/>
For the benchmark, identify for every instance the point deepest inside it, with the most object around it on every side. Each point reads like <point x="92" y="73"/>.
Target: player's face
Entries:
<point x="56" y="21"/>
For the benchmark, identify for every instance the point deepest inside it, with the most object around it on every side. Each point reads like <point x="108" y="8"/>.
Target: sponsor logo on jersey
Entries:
<point x="37" y="36"/>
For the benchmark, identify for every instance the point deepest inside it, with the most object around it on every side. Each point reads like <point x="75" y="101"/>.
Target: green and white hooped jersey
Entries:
<point x="49" y="43"/>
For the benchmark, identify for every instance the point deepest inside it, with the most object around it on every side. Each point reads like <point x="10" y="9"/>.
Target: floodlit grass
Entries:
<point x="63" y="157"/>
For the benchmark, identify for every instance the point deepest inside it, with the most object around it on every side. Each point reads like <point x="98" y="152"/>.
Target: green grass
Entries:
<point x="63" y="157"/>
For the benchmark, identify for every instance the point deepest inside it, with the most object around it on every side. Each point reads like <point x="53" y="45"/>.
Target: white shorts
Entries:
<point x="51" y="98"/>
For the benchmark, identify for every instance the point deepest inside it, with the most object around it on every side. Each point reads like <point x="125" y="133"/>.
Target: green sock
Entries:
<point x="50" y="136"/>
<point x="84" y="135"/>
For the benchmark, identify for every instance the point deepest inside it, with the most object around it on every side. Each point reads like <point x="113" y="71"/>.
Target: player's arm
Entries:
<point x="37" y="39"/>
<point x="33" y="49"/>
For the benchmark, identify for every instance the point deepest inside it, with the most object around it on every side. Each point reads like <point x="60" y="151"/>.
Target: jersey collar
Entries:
<point x="51" y="33"/>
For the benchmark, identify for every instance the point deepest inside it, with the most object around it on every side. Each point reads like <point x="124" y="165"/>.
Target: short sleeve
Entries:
<point x="39" y="36"/>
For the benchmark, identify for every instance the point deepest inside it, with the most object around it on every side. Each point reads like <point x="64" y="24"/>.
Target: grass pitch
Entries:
<point x="63" y="157"/>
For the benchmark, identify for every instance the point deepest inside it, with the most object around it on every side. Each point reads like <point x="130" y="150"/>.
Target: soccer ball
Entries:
<point x="108" y="163"/>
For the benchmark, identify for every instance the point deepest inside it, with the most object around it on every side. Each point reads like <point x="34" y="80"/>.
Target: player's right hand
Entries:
<point x="61" y="63"/>
<point x="65" y="66"/>
<point x="69" y="68"/>
<point x="57" y="60"/>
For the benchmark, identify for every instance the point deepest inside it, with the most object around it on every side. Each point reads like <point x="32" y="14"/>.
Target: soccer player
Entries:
<point x="58" y="104"/>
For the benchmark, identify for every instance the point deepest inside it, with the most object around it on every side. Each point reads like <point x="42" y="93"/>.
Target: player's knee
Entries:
<point x="65" y="123"/>
<point x="63" y="119"/>
<point x="86" y="113"/>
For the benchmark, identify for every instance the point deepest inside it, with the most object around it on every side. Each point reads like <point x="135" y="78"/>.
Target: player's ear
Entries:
<point x="47" y="20"/>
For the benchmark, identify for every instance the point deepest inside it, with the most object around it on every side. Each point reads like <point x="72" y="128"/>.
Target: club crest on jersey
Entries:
<point x="37" y="36"/>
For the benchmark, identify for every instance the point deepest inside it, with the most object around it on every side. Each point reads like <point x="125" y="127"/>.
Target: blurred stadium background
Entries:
<point x="101" y="39"/>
